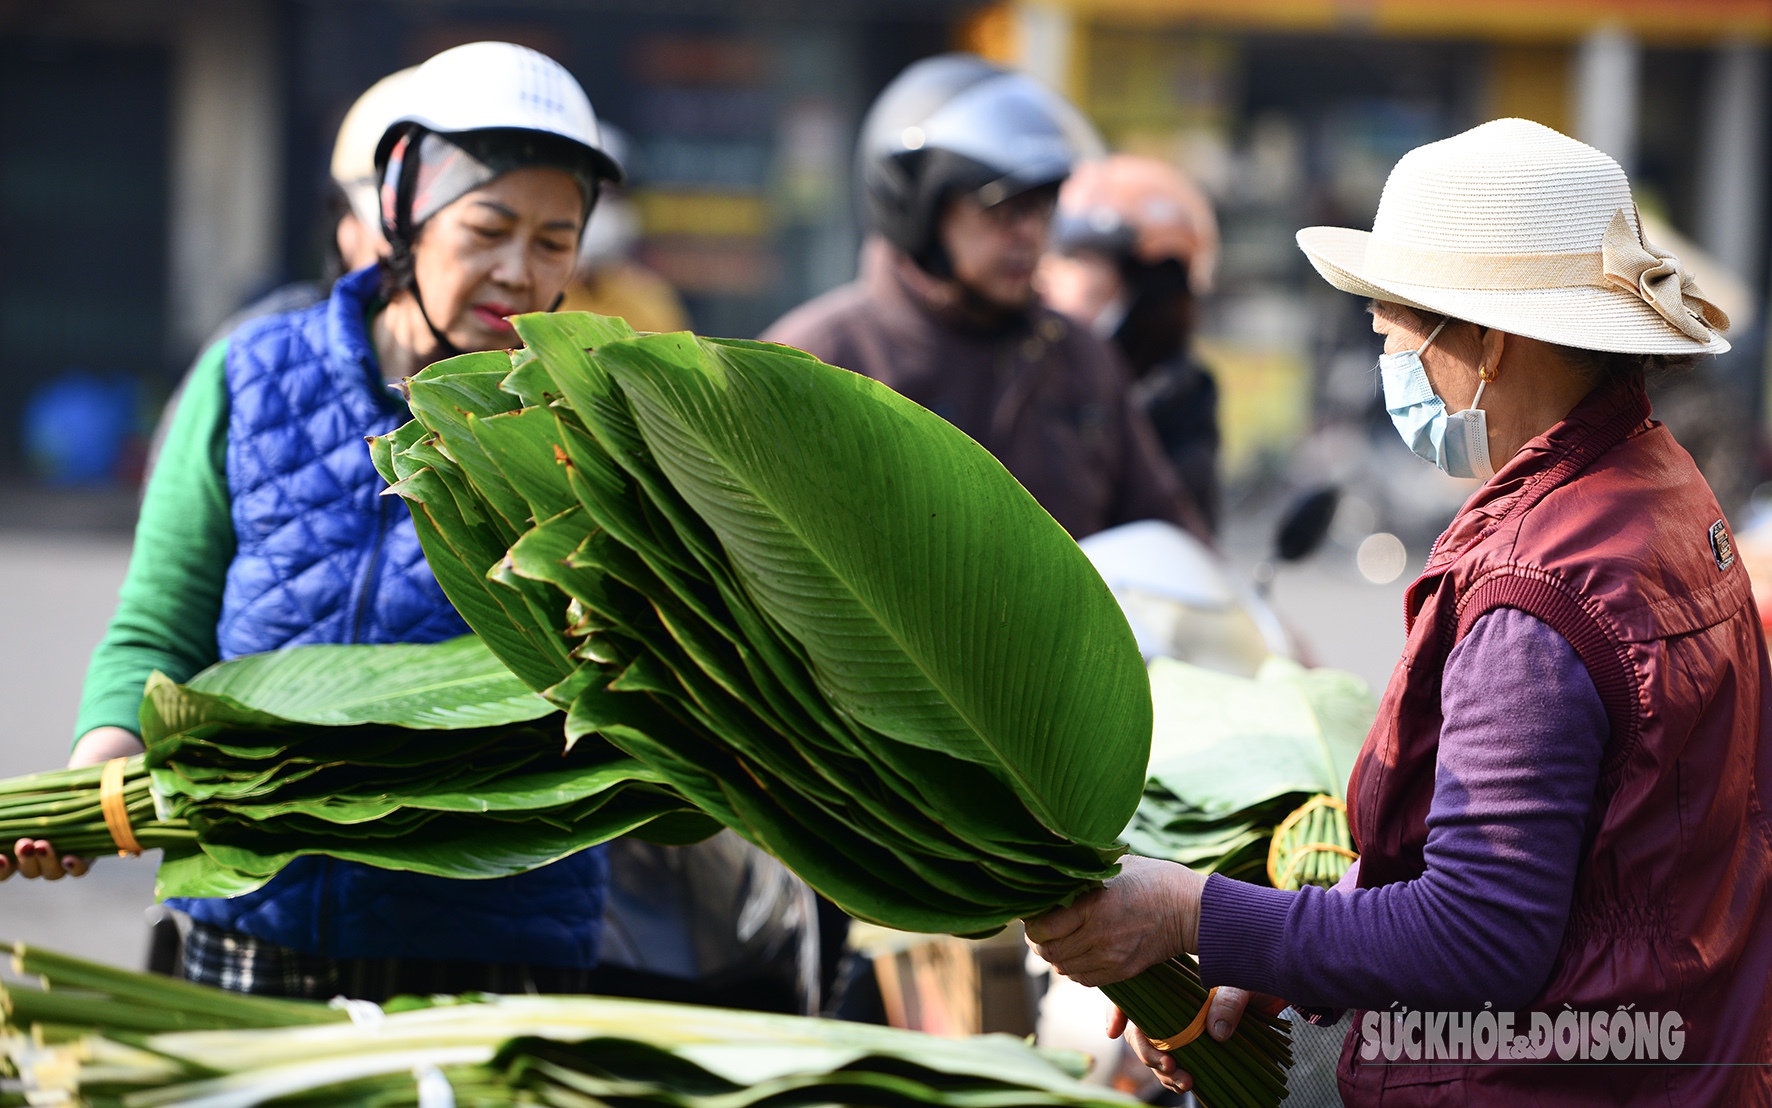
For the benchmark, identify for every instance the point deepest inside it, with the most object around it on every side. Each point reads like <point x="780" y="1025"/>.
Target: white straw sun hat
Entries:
<point x="1513" y="226"/>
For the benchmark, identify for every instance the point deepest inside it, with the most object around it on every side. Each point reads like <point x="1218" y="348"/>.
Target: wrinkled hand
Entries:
<point x="38" y="857"/>
<point x="1146" y="914"/>
<point x="1227" y="1010"/>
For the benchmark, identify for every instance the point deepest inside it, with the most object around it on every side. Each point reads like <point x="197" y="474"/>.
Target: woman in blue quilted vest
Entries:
<point x="263" y="527"/>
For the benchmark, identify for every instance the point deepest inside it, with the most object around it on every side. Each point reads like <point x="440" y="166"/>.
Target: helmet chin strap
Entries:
<point x="445" y="348"/>
<point x="403" y="233"/>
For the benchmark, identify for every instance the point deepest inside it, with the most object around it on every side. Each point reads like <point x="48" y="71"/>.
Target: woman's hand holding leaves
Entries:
<point x="1147" y="914"/>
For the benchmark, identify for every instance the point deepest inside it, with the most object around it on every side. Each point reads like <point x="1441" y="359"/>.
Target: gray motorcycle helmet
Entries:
<point x="956" y="124"/>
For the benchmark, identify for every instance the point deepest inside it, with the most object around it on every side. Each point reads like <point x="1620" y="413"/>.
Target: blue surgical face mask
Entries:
<point x="1457" y="442"/>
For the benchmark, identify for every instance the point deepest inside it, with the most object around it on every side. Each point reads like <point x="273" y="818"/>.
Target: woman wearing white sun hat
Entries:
<point x="1561" y="809"/>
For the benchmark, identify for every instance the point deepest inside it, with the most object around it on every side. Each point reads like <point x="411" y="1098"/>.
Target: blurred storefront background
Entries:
<point x="164" y="161"/>
<point x="1292" y="112"/>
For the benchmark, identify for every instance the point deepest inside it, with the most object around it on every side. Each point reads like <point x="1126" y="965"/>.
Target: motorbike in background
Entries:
<point x="1185" y="601"/>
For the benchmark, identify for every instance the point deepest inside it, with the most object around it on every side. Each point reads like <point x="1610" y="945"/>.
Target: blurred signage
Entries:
<point x="710" y="163"/>
<point x="706" y="117"/>
<point x="696" y="60"/>
<point x="1665" y="20"/>
<point x="713" y="214"/>
<point x="717" y="113"/>
<point x="712" y="266"/>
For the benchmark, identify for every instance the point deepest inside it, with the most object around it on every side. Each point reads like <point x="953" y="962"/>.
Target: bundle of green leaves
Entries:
<point x="817" y="610"/>
<point x="97" y="1036"/>
<point x="1232" y="757"/>
<point x="430" y="758"/>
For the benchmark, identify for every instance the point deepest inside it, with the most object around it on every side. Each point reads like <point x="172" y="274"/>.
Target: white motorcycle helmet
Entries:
<point x="486" y="86"/>
<point x="484" y="91"/>
<point x="473" y="113"/>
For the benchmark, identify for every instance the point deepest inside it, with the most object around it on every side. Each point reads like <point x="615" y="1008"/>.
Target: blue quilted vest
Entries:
<point x="323" y="557"/>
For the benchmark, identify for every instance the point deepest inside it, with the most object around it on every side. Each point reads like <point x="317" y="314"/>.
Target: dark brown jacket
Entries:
<point x="1051" y="401"/>
<point x="1603" y="528"/>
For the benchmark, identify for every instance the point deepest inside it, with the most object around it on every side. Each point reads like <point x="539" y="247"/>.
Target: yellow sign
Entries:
<point x="1264" y="401"/>
<point x="1698" y="21"/>
<point x="710" y="214"/>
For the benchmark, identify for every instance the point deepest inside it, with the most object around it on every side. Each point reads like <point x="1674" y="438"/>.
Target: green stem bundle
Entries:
<point x="1312" y="846"/>
<point x="63" y="807"/>
<point x="1245" y="1071"/>
<point x="89" y="995"/>
<point x="108" y="1038"/>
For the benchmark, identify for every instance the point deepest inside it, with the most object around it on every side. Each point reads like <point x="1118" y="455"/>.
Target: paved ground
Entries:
<point x="1344" y="620"/>
<point x="58" y="593"/>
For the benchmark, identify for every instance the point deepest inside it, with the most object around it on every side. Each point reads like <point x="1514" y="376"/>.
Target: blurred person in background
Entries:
<point x="1133" y="251"/>
<point x="353" y="203"/>
<point x="1560" y="809"/>
<point x="358" y="236"/>
<point x="609" y="281"/>
<point x="356" y="240"/>
<point x="264" y="526"/>
<point x="959" y="167"/>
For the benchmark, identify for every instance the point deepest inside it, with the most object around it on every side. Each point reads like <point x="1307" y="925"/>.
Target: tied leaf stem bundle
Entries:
<point x="431" y="758"/>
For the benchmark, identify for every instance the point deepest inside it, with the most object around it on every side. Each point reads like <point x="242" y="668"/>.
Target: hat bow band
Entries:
<point x="1631" y="264"/>
<point x="1624" y="263"/>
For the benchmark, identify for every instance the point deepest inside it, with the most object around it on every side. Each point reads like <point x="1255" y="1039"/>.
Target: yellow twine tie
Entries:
<point x="1189" y="1033"/>
<point x="116" y="808"/>
<point x="1274" y="873"/>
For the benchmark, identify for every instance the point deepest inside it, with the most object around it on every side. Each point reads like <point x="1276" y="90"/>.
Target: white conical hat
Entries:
<point x="1514" y="226"/>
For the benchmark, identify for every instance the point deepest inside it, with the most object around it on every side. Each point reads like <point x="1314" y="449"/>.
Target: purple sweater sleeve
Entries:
<point x="1519" y="759"/>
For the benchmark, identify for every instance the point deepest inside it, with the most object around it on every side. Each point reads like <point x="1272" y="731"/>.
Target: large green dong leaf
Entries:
<point x="455" y="684"/>
<point x="938" y="603"/>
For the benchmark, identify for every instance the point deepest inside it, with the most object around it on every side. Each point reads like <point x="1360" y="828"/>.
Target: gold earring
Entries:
<point x="1483" y="373"/>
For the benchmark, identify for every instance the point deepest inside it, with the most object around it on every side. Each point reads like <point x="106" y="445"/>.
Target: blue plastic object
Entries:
<point x="76" y="427"/>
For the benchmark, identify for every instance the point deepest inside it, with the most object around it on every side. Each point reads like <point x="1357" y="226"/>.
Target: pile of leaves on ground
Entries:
<point x="1233" y="759"/>
<point x="85" y="1034"/>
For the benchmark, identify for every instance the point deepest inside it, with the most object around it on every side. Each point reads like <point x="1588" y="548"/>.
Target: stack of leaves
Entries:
<point x="427" y="758"/>
<point x="821" y="613"/>
<point x="99" y="1036"/>
<point x="1234" y="758"/>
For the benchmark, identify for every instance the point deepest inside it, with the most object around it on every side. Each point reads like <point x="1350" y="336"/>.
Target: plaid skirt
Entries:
<point x="241" y="963"/>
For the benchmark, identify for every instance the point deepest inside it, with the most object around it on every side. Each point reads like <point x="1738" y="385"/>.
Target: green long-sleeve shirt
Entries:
<point x="184" y="541"/>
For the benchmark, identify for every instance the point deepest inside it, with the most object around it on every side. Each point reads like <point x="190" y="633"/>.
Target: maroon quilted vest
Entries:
<point x="1603" y="528"/>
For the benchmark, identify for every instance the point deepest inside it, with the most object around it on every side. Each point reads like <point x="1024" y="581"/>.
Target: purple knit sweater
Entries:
<point x="1519" y="759"/>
